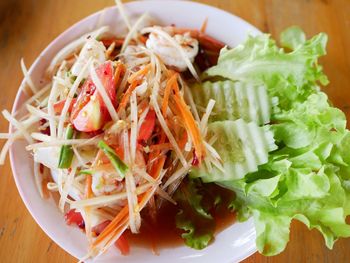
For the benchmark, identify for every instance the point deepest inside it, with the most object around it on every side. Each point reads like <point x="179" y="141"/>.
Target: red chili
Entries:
<point x="195" y="161"/>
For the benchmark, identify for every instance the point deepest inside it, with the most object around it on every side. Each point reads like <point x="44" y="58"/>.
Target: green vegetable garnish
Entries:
<point x="194" y="217"/>
<point x="117" y="163"/>
<point x="307" y="178"/>
<point x="66" y="154"/>
<point x="89" y="172"/>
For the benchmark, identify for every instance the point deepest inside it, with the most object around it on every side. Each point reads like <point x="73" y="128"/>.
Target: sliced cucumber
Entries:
<point x="242" y="146"/>
<point x="234" y="100"/>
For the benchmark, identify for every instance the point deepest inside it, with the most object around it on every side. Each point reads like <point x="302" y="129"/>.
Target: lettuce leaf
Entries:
<point x="292" y="37"/>
<point x="198" y="203"/>
<point x="194" y="218"/>
<point x="288" y="76"/>
<point x="307" y="178"/>
<point x="323" y="209"/>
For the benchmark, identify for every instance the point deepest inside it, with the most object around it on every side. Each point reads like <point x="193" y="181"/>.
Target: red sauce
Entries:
<point x="161" y="232"/>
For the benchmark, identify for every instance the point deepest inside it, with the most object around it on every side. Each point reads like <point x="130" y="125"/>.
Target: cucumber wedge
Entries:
<point x="234" y="100"/>
<point x="242" y="146"/>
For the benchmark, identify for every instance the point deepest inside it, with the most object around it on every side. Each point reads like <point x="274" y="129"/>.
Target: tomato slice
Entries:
<point x="123" y="245"/>
<point x="89" y="112"/>
<point x="73" y="217"/>
<point x="58" y="106"/>
<point x="147" y="126"/>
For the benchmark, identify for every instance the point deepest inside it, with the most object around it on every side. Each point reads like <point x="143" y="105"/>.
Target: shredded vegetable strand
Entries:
<point x="134" y="211"/>
<point x="145" y="175"/>
<point x="142" y="118"/>
<point x="205" y="118"/>
<point x="123" y="13"/>
<point x="123" y="84"/>
<point x="133" y="128"/>
<point x="108" y="199"/>
<point x="189" y="98"/>
<point x="52" y="100"/>
<point x="126" y="146"/>
<point x="125" y="99"/>
<point x="167" y="92"/>
<point x="39" y="113"/>
<point x="17" y="125"/>
<point x="139" y="74"/>
<point x="175" y="176"/>
<point x="28" y="78"/>
<point x="80" y="159"/>
<point x="87" y="211"/>
<point x="56" y="142"/>
<point x="41" y="137"/>
<point x="212" y="150"/>
<point x="133" y="31"/>
<point x="165" y="195"/>
<point x="14" y="136"/>
<point x="66" y="188"/>
<point x="33" y="98"/>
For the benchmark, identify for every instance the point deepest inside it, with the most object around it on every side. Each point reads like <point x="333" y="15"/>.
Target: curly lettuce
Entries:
<point x="307" y="178"/>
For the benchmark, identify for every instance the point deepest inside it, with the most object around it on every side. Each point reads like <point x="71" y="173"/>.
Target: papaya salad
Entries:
<point x="117" y="126"/>
<point x="128" y="124"/>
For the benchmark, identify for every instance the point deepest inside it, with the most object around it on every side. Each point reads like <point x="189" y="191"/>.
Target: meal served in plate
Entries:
<point x="167" y="130"/>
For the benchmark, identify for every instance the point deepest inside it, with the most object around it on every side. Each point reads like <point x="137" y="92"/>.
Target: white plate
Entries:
<point x="233" y="244"/>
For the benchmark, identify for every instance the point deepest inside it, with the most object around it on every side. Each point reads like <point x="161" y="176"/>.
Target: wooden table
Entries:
<point x="27" y="27"/>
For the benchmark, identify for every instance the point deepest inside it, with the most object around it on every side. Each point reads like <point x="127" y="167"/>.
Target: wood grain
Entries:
<point x="28" y="26"/>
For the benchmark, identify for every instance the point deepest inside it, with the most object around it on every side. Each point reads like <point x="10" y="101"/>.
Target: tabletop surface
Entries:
<point x="28" y="26"/>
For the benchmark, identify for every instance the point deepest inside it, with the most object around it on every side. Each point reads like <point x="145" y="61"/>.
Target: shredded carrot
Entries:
<point x="134" y="81"/>
<point x="183" y="140"/>
<point x="88" y="188"/>
<point x="113" y="225"/>
<point x="190" y="123"/>
<point x="170" y="83"/>
<point x="126" y="97"/>
<point x="176" y="88"/>
<point x="204" y="25"/>
<point x="160" y="147"/>
<point x="157" y="167"/>
<point x="117" y="231"/>
<point x="139" y="73"/>
<point x="119" y="71"/>
<point x="191" y="126"/>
